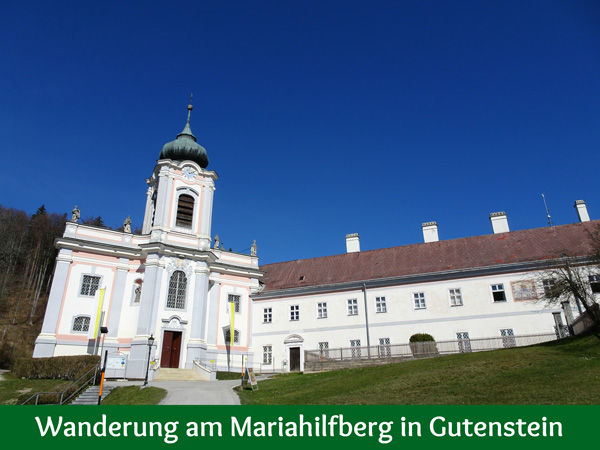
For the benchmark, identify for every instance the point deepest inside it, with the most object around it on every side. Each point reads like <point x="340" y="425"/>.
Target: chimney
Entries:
<point x="582" y="211"/>
<point x="430" y="232"/>
<point x="499" y="222"/>
<point x="352" y="243"/>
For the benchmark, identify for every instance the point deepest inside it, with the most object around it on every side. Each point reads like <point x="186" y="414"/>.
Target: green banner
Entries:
<point x="277" y="427"/>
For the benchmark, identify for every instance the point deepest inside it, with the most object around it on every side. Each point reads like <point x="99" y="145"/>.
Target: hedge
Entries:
<point x="56" y="368"/>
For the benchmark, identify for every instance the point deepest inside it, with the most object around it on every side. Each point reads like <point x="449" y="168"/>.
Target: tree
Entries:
<point x="576" y="280"/>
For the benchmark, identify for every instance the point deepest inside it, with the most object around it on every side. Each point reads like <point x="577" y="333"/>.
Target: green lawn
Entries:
<point x="565" y="372"/>
<point x="133" y="395"/>
<point x="14" y="391"/>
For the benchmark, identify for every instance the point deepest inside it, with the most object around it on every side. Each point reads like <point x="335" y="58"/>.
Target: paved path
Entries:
<point x="192" y="392"/>
<point x="1" y="372"/>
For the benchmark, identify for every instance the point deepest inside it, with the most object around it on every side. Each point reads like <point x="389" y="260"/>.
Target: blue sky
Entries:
<point x="321" y="118"/>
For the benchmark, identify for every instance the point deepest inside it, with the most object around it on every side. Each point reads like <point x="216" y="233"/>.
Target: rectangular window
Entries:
<point x="419" y="300"/>
<point x="455" y="297"/>
<point x="322" y="310"/>
<point x="498" y="293"/>
<point x="380" y="305"/>
<point x="464" y="342"/>
<point x="89" y="285"/>
<point x="352" y="307"/>
<point x="267" y="315"/>
<point x="508" y="337"/>
<point x="595" y="283"/>
<point x="384" y="349"/>
<point x="355" y="348"/>
<point x="267" y="354"/>
<point x="548" y="285"/>
<point x="295" y="312"/>
<point x="324" y="349"/>
<point x="235" y="299"/>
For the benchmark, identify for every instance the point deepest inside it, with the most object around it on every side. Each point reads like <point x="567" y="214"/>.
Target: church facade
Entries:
<point x="173" y="298"/>
<point x="167" y="283"/>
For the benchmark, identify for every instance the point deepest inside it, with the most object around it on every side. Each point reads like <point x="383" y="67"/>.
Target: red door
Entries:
<point x="171" y="349"/>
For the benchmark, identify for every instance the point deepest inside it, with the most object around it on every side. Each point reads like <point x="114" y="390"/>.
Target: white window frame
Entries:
<point x="380" y="305"/>
<point x="352" y="307"/>
<point x="464" y="341"/>
<point x="419" y="300"/>
<point x="355" y="348"/>
<point x="268" y="315"/>
<point x="294" y="313"/>
<point x="453" y="294"/>
<point x="594" y="281"/>
<point x="324" y="349"/>
<point x="321" y="310"/>
<point x="82" y="331"/>
<point x="547" y="285"/>
<point x="498" y="288"/>
<point x="384" y="350"/>
<point x="268" y="355"/>
<point x="89" y="287"/>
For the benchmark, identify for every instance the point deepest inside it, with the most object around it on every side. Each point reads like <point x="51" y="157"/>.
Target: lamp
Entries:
<point x="150" y="343"/>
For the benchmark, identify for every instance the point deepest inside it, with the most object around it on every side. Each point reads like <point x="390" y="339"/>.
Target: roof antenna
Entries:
<point x="547" y="211"/>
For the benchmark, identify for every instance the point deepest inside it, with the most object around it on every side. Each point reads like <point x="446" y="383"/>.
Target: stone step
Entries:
<point x="168" y="374"/>
<point x="90" y="395"/>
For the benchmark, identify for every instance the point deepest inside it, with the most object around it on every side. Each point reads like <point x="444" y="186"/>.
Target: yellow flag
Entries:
<point x="231" y="329"/>
<point x="96" y="323"/>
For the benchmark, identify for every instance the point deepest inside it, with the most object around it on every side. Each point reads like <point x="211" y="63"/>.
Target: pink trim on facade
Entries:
<point x="73" y="337"/>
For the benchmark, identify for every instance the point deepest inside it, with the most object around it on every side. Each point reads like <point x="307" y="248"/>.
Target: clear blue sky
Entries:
<point x="321" y="118"/>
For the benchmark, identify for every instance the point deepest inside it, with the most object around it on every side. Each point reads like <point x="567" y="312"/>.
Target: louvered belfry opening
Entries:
<point x="185" y="211"/>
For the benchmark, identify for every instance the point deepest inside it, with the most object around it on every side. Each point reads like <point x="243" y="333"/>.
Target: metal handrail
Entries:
<point x="88" y="381"/>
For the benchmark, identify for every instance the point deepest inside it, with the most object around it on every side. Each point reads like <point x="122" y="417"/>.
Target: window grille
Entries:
<point x="81" y="324"/>
<point x="267" y="354"/>
<point x="380" y="305"/>
<point x="89" y="285"/>
<point x="548" y="285"/>
<point x="419" y="300"/>
<point x="455" y="297"/>
<point x="324" y="349"/>
<point x="355" y="348"/>
<point x="185" y="211"/>
<point x="177" y="287"/>
<point x="464" y="342"/>
<point x="352" y="307"/>
<point x="508" y="337"/>
<point x="235" y="299"/>
<point x="322" y="310"/>
<point x="268" y="315"/>
<point x="236" y="336"/>
<point x="384" y="349"/>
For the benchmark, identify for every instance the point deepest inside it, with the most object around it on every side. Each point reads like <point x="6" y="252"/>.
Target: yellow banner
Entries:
<point x="96" y="323"/>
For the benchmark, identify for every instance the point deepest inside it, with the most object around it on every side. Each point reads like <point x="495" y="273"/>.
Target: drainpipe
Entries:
<point x="367" y="321"/>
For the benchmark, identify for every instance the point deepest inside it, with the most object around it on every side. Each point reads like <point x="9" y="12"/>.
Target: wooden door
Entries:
<point x="171" y="349"/>
<point x="294" y="359"/>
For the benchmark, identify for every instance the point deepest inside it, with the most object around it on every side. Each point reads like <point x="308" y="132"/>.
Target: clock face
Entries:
<point x="189" y="173"/>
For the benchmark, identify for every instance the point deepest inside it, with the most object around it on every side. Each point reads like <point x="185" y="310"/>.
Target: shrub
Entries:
<point x="423" y="345"/>
<point x="58" y="367"/>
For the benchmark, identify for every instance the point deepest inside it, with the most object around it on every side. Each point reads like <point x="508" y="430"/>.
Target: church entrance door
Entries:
<point x="171" y="349"/>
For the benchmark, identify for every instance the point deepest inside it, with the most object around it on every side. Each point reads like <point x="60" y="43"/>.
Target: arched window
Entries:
<point x="185" y="211"/>
<point x="81" y="324"/>
<point x="236" y="336"/>
<point x="177" y="286"/>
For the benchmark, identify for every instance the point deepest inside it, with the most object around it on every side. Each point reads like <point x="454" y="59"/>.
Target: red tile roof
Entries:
<point x="466" y="253"/>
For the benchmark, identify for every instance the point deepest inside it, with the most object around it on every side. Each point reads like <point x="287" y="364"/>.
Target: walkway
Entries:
<point x="192" y="392"/>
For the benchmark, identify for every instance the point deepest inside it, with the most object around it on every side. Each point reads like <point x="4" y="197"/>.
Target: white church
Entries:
<point x="171" y="298"/>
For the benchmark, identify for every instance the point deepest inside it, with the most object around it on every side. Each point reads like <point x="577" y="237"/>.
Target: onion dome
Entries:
<point x="185" y="147"/>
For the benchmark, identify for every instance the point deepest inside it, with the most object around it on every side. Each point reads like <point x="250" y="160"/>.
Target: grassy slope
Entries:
<point x="133" y="395"/>
<point x="14" y="391"/>
<point x="566" y="372"/>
